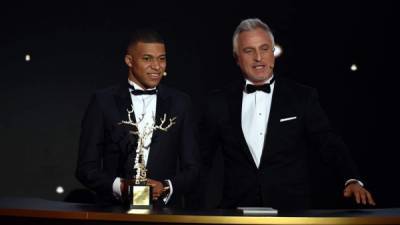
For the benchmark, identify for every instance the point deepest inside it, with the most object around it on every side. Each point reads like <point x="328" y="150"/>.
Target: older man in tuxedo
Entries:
<point x="265" y="126"/>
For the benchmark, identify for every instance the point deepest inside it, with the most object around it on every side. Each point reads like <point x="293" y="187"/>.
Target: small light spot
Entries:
<point x="27" y="57"/>
<point x="353" y="67"/>
<point x="278" y="50"/>
<point x="59" y="190"/>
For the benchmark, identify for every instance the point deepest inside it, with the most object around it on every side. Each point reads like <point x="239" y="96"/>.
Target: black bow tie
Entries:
<point x="250" y="88"/>
<point x="142" y="92"/>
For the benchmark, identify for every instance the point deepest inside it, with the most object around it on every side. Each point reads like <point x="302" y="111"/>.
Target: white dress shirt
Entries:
<point x="255" y="114"/>
<point x="144" y="107"/>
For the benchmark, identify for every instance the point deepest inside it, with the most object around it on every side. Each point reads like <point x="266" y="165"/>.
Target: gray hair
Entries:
<point x="249" y="25"/>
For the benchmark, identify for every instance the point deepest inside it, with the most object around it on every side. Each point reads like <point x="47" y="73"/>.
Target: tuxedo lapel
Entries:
<point x="123" y="102"/>
<point x="278" y="107"/>
<point x="235" y="97"/>
<point x="163" y="107"/>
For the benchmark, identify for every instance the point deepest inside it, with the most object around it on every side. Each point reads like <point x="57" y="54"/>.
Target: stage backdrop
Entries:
<point x="54" y="55"/>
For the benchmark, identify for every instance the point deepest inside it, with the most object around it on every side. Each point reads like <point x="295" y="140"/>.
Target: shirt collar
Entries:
<point x="267" y="81"/>
<point x="137" y="87"/>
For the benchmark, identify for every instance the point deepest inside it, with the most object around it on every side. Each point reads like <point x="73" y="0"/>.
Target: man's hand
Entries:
<point x="124" y="189"/>
<point x="360" y="194"/>
<point x="158" y="188"/>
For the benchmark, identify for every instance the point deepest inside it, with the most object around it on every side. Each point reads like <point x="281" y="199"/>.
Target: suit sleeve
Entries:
<point x="89" y="168"/>
<point x="210" y="132"/>
<point x="332" y="148"/>
<point x="188" y="153"/>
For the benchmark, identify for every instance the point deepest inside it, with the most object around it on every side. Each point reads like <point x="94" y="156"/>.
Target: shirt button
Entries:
<point x="259" y="114"/>
<point x="261" y="133"/>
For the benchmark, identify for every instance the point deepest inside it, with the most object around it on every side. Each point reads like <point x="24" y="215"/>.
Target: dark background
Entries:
<point x="77" y="48"/>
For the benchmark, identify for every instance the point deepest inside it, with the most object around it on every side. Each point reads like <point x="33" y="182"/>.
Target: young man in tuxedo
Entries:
<point x="265" y="126"/>
<point x="107" y="148"/>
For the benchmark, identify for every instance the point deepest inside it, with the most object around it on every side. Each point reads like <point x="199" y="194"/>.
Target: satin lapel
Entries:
<point x="123" y="103"/>
<point x="163" y="107"/>
<point x="235" y="107"/>
<point x="277" y="106"/>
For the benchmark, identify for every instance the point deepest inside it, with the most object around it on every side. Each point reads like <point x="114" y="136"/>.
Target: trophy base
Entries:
<point x="140" y="196"/>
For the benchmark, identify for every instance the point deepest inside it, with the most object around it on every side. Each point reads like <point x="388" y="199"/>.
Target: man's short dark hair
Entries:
<point x="147" y="35"/>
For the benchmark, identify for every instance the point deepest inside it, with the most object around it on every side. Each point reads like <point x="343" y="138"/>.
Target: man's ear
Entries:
<point x="236" y="58"/>
<point x="128" y="60"/>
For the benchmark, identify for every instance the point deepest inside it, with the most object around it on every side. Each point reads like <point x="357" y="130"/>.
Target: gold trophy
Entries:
<point x="139" y="193"/>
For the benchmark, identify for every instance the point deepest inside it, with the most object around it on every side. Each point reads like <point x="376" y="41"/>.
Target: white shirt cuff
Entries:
<point x="353" y="180"/>
<point x="171" y="190"/>
<point x="116" y="187"/>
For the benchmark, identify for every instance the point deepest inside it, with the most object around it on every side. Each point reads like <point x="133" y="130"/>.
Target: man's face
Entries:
<point x="147" y="63"/>
<point x="255" y="55"/>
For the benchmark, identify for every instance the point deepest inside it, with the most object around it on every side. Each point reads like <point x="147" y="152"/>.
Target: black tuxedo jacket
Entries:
<point x="282" y="179"/>
<point x="105" y="144"/>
